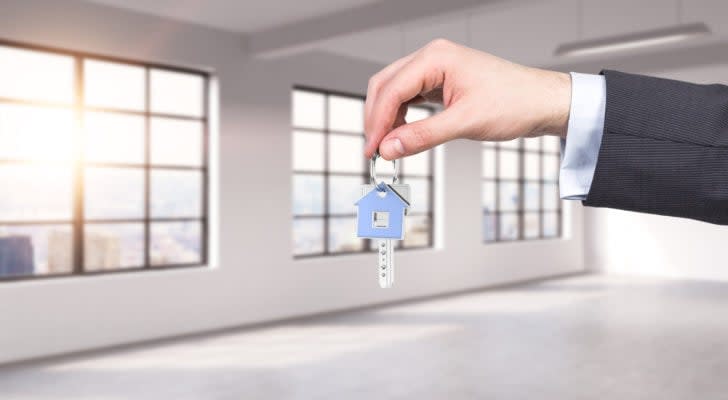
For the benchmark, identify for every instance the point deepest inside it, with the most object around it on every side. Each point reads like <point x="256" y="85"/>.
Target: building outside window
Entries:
<point x="103" y="164"/>
<point x="329" y="170"/>
<point x="520" y="192"/>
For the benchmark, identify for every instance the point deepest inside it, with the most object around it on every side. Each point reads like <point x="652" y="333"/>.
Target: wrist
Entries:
<point x="556" y="99"/>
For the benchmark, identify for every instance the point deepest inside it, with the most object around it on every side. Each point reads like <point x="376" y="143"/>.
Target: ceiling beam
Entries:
<point x="305" y="35"/>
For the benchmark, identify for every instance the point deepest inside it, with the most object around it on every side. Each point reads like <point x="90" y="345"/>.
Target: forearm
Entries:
<point x="664" y="148"/>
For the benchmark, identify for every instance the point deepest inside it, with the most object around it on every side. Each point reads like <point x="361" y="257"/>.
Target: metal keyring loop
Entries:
<point x="373" y="170"/>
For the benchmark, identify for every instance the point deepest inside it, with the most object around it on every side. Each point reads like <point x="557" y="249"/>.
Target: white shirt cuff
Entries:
<point x="580" y="150"/>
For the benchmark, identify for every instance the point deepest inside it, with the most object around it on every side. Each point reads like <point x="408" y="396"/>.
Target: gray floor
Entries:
<point x="578" y="338"/>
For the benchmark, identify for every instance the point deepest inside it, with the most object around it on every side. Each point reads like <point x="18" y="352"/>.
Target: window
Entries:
<point x="103" y="164"/>
<point x="329" y="170"/>
<point x="520" y="190"/>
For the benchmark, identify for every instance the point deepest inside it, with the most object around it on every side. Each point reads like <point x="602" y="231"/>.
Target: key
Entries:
<point x="380" y="215"/>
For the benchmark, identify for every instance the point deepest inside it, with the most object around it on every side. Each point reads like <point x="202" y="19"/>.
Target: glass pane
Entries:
<point x="308" y="236"/>
<point x="509" y="226"/>
<point x="342" y="235"/>
<point x="35" y="250"/>
<point x="114" y="85"/>
<point x="346" y="153"/>
<point x="176" y="142"/>
<point x="176" y="193"/>
<point x="550" y="196"/>
<point x="531" y="196"/>
<point x="419" y="193"/>
<point x="511" y="144"/>
<point x="308" y="194"/>
<point x="308" y="151"/>
<point x="35" y="192"/>
<point x="114" y="193"/>
<point x="489" y="196"/>
<point x="551" y="144"/>
<point x="36" y="133"/>
<point x="35" y="75"/>
<point x="489" y="224"/>
<point x="417" y="231"/>
<point x="346" y="114"/>
<point x="532" y="144"/>
<point x="344" y="191"/>
<point x="175" y="243"/>
<point x="508" y="164"/>
<point x="113" y="246"/>
<point x="177" y="93"/>
<point x="532" y="166"/>
<point x="416" y="114"/>
<point x="509" y="200"/>
<point x="114" y="138"/>
<point x="417" y="164"/>
<point x="550" y="224"/>
<point x="551" y="167"/>
<point x="531" y="225"/>
<point x="307" y="109"/>
<point x="488" y="163"/>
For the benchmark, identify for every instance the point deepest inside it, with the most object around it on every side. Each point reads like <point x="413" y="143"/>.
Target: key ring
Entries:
<point x="373" y="170"/>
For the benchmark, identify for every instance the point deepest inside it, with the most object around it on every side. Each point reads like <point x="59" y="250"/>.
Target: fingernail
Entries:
<point x="393" y="146"/>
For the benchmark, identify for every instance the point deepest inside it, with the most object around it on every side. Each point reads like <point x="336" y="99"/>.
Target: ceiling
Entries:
<point x="525" y="31"/>
<point x="241" y="16"/>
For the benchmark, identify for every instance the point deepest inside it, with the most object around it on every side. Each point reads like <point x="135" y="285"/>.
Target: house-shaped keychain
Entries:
<point x="380" y="214"/>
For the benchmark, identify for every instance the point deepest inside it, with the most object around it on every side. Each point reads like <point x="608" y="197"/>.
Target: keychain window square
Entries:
<point x="380" y="219"/>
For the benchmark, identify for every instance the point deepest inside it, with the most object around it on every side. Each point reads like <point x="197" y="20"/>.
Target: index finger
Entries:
<point x="421" y="74"/>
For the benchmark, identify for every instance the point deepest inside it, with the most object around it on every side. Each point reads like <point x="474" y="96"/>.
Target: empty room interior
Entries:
<point x="181" y="184"/>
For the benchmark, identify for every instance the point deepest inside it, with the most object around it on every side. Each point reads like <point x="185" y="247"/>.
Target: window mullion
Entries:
<point x="205" y="174"/>
<point x="78" y="200"/>
<point x="147" y="172"/>
<point x="327" y="203"/>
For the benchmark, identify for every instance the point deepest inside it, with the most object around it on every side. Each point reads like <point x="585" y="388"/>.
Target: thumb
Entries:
<point x="421" y="135"/>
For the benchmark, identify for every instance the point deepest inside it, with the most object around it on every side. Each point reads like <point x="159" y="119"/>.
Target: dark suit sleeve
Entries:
<point x="664" y="149"/>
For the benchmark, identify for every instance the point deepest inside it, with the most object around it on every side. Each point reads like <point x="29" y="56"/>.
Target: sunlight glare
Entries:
<point x="36" y="133"/>
<point x="33" y="75"/>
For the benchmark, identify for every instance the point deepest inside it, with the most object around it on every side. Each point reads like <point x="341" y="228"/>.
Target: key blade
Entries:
<point x="385" y="255"/>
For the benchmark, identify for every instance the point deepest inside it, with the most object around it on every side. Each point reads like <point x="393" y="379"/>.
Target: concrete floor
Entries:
<point x="579" y="338"/>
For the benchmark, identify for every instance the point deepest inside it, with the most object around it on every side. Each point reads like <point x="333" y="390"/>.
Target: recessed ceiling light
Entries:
<point x="633" y="41"/>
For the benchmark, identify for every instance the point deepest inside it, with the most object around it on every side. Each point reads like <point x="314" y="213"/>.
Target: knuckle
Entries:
<point x="373" y="83"/>
<point x="390" y="96"/>
<point x="438" y="45"/>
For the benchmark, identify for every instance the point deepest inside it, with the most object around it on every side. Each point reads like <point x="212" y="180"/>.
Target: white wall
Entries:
<point x="631" y="243"/>
<point x="255" y="278"/>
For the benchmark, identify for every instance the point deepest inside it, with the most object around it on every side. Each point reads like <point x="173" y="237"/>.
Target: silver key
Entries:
<point x="381" y="217"/>
<point x="385" y="251"/>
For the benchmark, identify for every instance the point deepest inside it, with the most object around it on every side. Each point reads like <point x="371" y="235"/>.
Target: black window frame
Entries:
<point x="326" y="216"/>
<point x="521" y="151"/>
<point x="78" y="222"/>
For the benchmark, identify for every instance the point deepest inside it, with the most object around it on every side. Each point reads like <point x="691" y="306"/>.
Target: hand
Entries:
<point x="485" y="98"/>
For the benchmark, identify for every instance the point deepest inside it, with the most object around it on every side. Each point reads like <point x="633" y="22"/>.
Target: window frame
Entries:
<point x="521" y="151"/>
<point x="79" y="165"/>
<point x="326" y="173"/>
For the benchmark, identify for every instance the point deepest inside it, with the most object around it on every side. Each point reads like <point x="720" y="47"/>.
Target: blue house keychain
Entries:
<point x="380" y="215"/>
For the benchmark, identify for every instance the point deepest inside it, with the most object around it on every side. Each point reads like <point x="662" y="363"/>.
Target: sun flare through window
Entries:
<point x="103" y="164"/>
